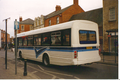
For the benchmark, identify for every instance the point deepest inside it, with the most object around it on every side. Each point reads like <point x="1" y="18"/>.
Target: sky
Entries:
<point x="34" y="8"/>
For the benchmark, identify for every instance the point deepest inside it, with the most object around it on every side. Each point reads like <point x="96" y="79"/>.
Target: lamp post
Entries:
<point x="6" y="43"/>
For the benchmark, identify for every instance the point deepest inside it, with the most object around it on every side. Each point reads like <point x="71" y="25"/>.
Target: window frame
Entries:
<point x="60" y="39"/>
<point x="23" y="41"/>
<point x="57" y="20"/>
<point x="112" y="16"/>
<point x="22" y="27"/>
<point x="88" y="43"/>
<point x="19" y="40"/>
<point x="37" y="37"/>
<point x="28" y="40"/>
<point x="69" y="37"/>
<point x="49" y="35"/>
<point x="49" y="22"/>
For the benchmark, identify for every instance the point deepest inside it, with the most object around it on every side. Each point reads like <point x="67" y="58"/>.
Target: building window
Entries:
<point x="57" y="20"/>
<point x="22" y="28"/>
<point x="38" y="22"/>
<point x="49" y="22"/>
<point x="112" y="14"/>
<point x="31" y="27"/>
<point x="41" y="21"/>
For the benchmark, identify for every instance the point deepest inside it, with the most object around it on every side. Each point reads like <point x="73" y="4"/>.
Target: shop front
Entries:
<point x="113" y="41"/>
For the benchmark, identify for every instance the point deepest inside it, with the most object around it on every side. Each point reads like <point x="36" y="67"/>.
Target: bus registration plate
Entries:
<point x="88" y="47"/>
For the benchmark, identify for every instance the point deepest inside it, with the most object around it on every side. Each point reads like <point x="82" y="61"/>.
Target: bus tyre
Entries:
<point x="20" y="54"/>
<point x="46" y="60"/>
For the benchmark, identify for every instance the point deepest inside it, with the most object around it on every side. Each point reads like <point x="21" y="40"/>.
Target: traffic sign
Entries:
<point x="16" y="25"/>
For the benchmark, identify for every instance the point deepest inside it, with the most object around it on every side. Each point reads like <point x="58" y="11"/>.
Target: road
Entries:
<point x="93" y="71"/>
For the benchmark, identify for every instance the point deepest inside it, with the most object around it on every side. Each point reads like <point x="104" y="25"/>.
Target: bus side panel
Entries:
<point x="60" y="58"/>
<point x="28" y="54"/>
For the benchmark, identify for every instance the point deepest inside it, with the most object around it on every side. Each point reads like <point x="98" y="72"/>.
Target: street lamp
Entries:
<point x="6" y="43"/>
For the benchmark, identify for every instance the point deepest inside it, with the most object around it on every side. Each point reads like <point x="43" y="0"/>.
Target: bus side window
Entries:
<point x="37" y="40"/>
<point x="30" y="40"/>
<point x="25" y="41"/>
<point x="66" y="37"/>
<point x="20" y="41"/>
<point x="56" y="38"/>
<point x="46" y="39"/>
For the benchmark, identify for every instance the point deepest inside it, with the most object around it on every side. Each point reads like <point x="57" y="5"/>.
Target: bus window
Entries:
<point x="66" y="37"/>
<point x="25" y="41"/>
<point x="87" y="37"/>
<point x="56" y="38"/>
<point x="37" y="40"/>
<point x="30" y="40"/>
<point x="46" y="39"/>
<point x="20" y="41"/>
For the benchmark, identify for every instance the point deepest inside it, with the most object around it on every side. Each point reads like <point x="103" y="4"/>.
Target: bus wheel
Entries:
<point x="46" y="60"/>
<point x="20" y="54"/>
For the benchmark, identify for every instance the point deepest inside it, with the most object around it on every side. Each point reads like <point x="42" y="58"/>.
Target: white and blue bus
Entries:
<point x="71" y="43"/>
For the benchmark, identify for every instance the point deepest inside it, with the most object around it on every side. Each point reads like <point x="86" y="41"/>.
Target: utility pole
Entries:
<point x="6" y="43"/>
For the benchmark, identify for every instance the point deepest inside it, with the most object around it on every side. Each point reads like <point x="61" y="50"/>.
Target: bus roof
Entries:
<point x="57" y="27"/>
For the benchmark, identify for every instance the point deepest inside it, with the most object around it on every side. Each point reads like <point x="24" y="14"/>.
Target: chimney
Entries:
<point x="58" y="8"/>
<point x="75" y="2"/>
<point x="20" y="19"/>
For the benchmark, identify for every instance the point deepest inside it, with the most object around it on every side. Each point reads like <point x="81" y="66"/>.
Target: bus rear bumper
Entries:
<point x="87" y="61"/>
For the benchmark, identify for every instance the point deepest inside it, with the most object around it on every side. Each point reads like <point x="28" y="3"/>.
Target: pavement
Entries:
<point x="9" y="73"/>
<point x="109" y="59"/>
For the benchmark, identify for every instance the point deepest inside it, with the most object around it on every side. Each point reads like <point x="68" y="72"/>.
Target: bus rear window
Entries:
<point x="87" y="37"/>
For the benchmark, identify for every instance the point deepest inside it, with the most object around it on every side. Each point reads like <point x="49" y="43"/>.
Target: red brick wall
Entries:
<point x="26" y="28"/>
<point x="75" y="9"/>
<point x="3" y="37"/>
<point x="53" y="20"/>
<point x="65" y="16"/>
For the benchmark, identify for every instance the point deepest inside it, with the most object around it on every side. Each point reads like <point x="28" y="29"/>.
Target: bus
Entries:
<point x="70" y="43"/>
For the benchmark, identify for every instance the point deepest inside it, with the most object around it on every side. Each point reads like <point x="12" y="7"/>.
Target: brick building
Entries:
<point x="110" y="25"/>
<point x="25" y="25"/>
<point x="39" y="22"/>
<point x="3" y="33"/>
<point x="62" y="15"/>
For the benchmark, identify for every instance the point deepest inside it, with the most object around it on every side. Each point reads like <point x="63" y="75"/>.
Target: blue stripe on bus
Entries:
<point x="72" y="50"/>
<point x="40" y="50"/>
<point x="59" y="48"/>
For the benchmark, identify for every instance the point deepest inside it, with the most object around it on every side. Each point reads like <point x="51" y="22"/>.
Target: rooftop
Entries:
<point x="93" y="15"/>
<point x="56" y="12"/>
<point x="27" y="21"/>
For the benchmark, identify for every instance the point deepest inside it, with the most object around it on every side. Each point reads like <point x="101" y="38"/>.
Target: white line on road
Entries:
<point x="40" y="67"/>
<point x="59" y="73"/>
<point x="41" y="71"/>
<point x="34" y="72"/>
<point x="54" y="77"/>
<point x="76" y="77"/>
